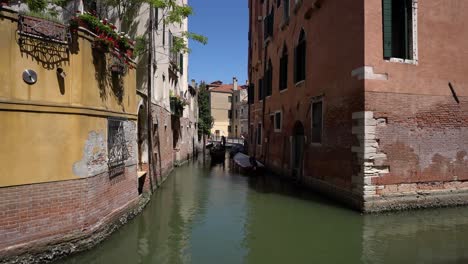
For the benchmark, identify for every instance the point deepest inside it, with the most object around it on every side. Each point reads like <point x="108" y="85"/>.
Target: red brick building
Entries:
<point x="364" y="100"/>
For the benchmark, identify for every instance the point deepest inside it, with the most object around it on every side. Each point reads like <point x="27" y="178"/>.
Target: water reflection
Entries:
<point x="210" y="214"/>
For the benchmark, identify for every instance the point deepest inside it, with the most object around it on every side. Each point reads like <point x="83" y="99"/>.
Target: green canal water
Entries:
<point x="211" y="214"/>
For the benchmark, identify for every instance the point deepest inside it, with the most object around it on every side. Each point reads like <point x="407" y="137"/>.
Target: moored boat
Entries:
<point x="248" y="164"/>
<point x="218" y="153"/>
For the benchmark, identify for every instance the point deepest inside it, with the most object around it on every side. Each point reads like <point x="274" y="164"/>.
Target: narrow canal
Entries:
<point x="205" y="214"/>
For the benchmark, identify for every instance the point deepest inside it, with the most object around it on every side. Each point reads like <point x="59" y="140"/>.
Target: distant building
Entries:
<point x="221" y="108"/>
<point x="364" y="100"/>
<point x="239" y="110"/>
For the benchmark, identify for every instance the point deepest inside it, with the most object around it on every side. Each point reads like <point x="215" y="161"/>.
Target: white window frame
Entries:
<point x="316" y="100"/>
<point x="415" y="39"/>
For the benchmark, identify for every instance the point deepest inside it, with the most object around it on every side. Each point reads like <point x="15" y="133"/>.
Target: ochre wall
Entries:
<point x="81" y="88"/>
<point x="220" y="106"/>
<point x="44" y="127"/>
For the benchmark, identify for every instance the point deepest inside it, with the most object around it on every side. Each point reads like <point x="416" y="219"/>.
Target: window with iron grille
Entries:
<point x="116" y="147"/>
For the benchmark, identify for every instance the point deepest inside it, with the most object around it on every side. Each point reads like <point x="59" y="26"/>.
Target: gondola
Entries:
<point x="218" y="154"/>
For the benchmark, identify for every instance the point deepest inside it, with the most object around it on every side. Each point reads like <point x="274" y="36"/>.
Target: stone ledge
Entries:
<point x="414" y="200"/>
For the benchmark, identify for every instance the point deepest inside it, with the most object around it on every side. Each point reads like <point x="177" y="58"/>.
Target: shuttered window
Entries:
<point x="397" y="25"/>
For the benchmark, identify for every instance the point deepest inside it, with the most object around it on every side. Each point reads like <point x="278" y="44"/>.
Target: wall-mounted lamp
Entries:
<point x="61" y="73"/>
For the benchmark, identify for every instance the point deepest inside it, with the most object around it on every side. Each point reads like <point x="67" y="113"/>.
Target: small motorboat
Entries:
<point x="247" y="164"/>
<point x="218" y="153"/>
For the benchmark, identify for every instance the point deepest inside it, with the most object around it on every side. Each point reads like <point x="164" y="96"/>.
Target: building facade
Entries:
<point x="363" y="100"/>
<point x="175" y="138"/>
<point x="221" y="109"/>
<point x="68" y="147"/>
<point x="239" y="110"/>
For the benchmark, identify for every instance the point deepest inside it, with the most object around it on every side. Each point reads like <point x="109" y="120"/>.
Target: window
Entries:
<point x="285" y="10"/>
<point x="278" y="121"/>
<point x="268" y="78"/>
<point x="229" y="114"/>
<point x="397" y="20"/>
<point x="259" y="134"/>
<point x="235" y="130"/>
<point x="181" y="63"/>
<point x="317" y="122"/>
<point x="164" y="34"/>
<point x="251" y="93"/>
<point x="237" y="114"/>
<point x="251" y="133"/>
<point x="229" y="99"/>
<point x="268" y="24"/>
<point x="229" y="129"/>
<point x="260" y="89"/>
<point x="156" y="18"/>
<point x="300" y="58"/>
<point x="283" y="78"/>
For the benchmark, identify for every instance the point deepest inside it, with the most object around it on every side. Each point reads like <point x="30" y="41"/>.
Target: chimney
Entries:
<point x="234" y="83"/>
<point x="194" y="84"/>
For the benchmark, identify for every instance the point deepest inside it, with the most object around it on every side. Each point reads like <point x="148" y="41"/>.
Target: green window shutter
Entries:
<point x="387" y="27"/>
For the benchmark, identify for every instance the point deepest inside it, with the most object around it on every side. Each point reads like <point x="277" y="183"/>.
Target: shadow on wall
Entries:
<point x="106" y="78"/>
<point x="48" y="54"/>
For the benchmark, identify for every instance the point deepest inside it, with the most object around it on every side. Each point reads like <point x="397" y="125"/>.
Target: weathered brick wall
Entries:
<point x="327" y="166"/>
<point x="36" y="214"/>
<point x="162" y="117"/>
<point x="424" y="138"/>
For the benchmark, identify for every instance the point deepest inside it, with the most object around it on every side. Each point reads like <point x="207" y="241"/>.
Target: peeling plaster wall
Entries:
<point x="94" y="159"/>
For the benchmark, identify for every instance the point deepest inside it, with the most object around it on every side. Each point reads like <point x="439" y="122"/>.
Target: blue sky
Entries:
<point x="225" y="23"/>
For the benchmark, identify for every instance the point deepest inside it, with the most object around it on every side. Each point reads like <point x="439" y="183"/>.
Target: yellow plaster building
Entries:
<point x="68" y="136"/>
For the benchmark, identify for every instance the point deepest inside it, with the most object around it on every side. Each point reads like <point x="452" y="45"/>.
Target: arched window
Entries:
<point x="300" y="58"/>
<point x="283" y="78"/>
